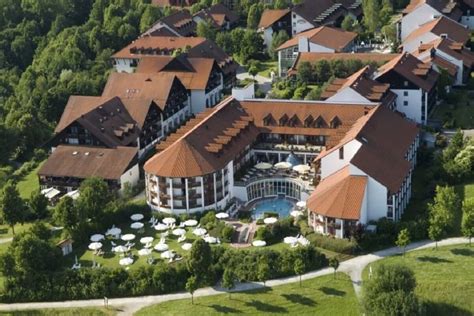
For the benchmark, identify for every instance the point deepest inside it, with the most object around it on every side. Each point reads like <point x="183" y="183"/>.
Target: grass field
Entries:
<point x="63" y="312"/>
<point x="462" y="112"/>
<point x="266" y="67"/>
<point x="445" y="278"/>
<point x="318" y="296"/>
<point x="6" y="231"/>
<point x="29" y="183"/>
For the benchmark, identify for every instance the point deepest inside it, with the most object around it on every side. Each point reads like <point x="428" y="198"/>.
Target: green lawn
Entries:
<point x="29" y="183"/>
<point x="266" y="67"/>
<point x="318" y="296"/>
<point x="6" y="231"/>
<point x="63" y="312"/>
<point x="445" y="278"/>
<point x="462" y="111"/>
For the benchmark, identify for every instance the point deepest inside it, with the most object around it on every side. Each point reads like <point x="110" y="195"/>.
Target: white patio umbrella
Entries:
<point x="290" y="240"/>
<point x="97" y="237"/>
<point x="283" y="165"/>
<point x="114" y="231"/>
<point x="296" y="213"/>
<point x="137" y="225"/>
<point x="210" y="240"/>
<point x="270" y="220"/>
<point x="136" y="217"/>
<point x="190" y="222"/>
<point x="259" y="243"/>
<point x="169" y="220"/>
<point x="161" y="247"/>
<point x="301" y="204"/>
<point x="128" y="237"/>
<point x="146" y="240"/>
<point x="167" y="255"/>
<point x="222" y="215"/>
<point x="187" y="246"/>
<point x="301" y="168"/>
<point x="161" y="227"/>
<point x="126" y="261"/>
<point x="121" y="249"/>
<point x="263" y="166"/>
<point x="144" y="252"/>
<point x="199" y="231"/>
<point x="179" y="232"/>
<point x="95" y="245"/>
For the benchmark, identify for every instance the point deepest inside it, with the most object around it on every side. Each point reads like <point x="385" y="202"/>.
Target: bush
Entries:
<point x="227" y="233"/>
<point x="339" y="245"/>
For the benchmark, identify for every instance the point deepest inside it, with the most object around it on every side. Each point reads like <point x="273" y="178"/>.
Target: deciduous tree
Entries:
<point x="191" y="286"/>
<point x="334" y="263"/>
<point x="467" y="224"/>
<point x="228" y="280"/>
<point x="403" y="239"/>
<point x="12" y="206"/>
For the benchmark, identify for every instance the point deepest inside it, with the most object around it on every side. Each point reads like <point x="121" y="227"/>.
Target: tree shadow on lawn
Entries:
<point x="264" y="307"/>
<point x="462" y="252"/>
<point x="433" y="259"/>
<point x="299" y="299"/>
<point x="225" y="309"/>
<point x="437" y="308"/>
<point x="332" y="291"/>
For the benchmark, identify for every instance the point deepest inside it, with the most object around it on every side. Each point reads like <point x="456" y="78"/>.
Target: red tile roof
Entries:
<point x="442" y="26"/>
<point x="330" y="37"/>
<point x="270" y="16"/>
<point x="340" y="195"/>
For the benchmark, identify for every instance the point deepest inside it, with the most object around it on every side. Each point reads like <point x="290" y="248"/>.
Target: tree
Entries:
<point x="334" y="263"/>
<point x="314" y="94"/>
<point x="93" y="199"/>
<point x="253" y="71"/>
<point x="391" y="292"/>
<point x="66" y="214"/>
<point x="467" y="223"/>
<point x="200" y="259"/>
<point x="371" y="10"/>
<point x="12" y="206"/>
<point x="191" y="286"/>
<point x="281" y="4"/>
<point x="263" y="270"/>
<point x="228" y="280"/>
<point x="300" y="267"/>
<point x="38" y="205"/>
<point x="403" y="239"/>
<point x="305" y="72"/>
<point x="277" y="39"/>
<point x="442" y="211"/>
<point x="348" y="23"/>
<point x="253" y="17"/>
<point x="206" y="30"/>
<point x="149" y="16"/>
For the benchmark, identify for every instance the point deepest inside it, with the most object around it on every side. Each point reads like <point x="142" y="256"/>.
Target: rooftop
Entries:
<point x="442" y="27"/>
<point x="270" y="16"/>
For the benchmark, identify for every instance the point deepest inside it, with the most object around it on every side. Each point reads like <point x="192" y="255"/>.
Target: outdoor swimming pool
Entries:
<point x="279" y="205"/>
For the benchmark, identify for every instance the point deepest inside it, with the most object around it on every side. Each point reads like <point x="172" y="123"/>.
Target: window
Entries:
<point x="405" y="103"/>
<point x="405" y="83"/>
<point x="405" y="93"/>
<point x="341" y="153"/>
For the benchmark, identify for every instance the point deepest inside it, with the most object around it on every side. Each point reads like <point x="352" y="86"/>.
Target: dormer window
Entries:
<point x="283" y="120"/>
<point x="268" y="120"/>
<point x="320" y="123"/>
<point x="335" y="122"/>
<point x="308" y="121"/>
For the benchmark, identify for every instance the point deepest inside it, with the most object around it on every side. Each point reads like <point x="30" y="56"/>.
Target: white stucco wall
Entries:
<point x="331" y="163"/>
<point x="468" y="21"/>
<point x="422" y="14"/>
<point x="299" y="24"/>
<point x="376" y="196"/>
<point x="412" y="45"/>
<point x="267" y="36"/>
<point x="131" y="176"/>
<point x="413" y="108"/>
<point x="123" y="65"/>
<point x="347" y="95"/>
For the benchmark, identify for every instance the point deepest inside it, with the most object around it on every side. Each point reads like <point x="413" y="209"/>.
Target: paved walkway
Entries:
<point x="5" y="240"/>
<point x="127" y="306"/>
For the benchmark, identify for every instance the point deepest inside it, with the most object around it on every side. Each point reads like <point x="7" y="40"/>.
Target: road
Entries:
<point x="127" y="306"/>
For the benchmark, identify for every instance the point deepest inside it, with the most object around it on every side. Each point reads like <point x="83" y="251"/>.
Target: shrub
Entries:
<point x="334" y="244"/>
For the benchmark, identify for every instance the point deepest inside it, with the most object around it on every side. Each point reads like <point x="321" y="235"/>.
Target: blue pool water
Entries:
<point x="279" y="205"/>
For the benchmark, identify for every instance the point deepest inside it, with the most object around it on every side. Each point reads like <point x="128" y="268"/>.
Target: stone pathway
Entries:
<point x="127" y="306"/>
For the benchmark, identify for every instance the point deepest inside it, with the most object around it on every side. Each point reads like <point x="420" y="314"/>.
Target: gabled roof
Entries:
<point x="139" y="90"/>
<point x="318" y="12"/>
<point x="411" y="69"/>
<point x="362" y="84"/>
<point x="270" y="16"/>
<point x="441" y="26"/>
<point x="219" y="14"/>
<point x="194" y="73"/>
<point x="84" y="162"/>
<point x="173" y="3"/>
<point x="180" y="22"/>
<point x="157" y="45"/>
<point x="205" y="144"/>
<point x="340" y="195"/>
<point x="385" y="138"/>
<point x="454" y="49"/>
<point x="446" y="7"/>
<point x="330" y="37"/>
